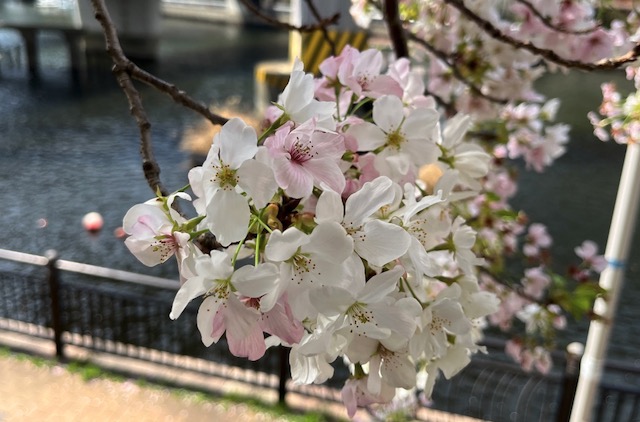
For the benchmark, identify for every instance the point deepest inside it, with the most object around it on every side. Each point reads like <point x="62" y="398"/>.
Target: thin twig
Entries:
<point x="550" y="55"/>
<point x="449" y="108"/>
<point x="394" y="28"/>
<point x="322" y="23"/>
<point x="546" y="21"/>
<point x="177" y="95"/>
<point x="149" y="164"/>
<point x="516" y="288"/>
<point x="314" y="11"/>
<point x="125" y="65"/>
<point x="444" y="57"/>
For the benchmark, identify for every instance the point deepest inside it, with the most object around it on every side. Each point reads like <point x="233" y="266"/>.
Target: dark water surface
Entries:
<point x="64" y="153"/>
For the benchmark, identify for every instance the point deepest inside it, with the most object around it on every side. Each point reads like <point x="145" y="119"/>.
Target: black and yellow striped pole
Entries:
<point x="310" y="47"/>
<point x="314" y="47"/>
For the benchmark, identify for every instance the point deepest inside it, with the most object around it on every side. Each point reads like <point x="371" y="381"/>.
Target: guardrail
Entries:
<point x="126" y="314"/>
<point x="115" y="312"/>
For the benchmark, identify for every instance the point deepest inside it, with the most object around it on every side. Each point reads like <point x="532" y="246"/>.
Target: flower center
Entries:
<point x="360" y="314"/>
<point x="300" y="153"/>
<point x="220" y="291"/>
<point x="301" y="263"/>
<point x="438" y="323"/>
<point x="225" y="176"/>
<point x="395" y="139"/>
<point x="165" y="245"/>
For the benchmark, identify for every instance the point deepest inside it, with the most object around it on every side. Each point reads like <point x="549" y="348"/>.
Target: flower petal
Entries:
<point x="280" y="322"/>
<point x="206" y="314"/>
<point x="238" y="142"/>
<point x="282" y="245"/>
<point x="421" y="123"/>
<point x="329" y="207"/>
<point x="244" y="335"/>
<point x="382" y="242"/>
<point x="258" y="181"/>
<point x="388" y="113"/>
<point x="330" y="242"/>
<point x="192" y="288"/>
<point x="257" y="281"/>
<point x="327" y="171"/>
<point x="331" y="301"/>
<point x="380" y="286"/>
<point x="367" y="200"/>
<point x="293" y="178"/>
<point x="398" y="371"/>
<point x="368" y="135"/>
<point x="228" y="216"/>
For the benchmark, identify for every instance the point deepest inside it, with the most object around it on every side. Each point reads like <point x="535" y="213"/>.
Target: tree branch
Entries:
<point x="549" y="24"/>
<point x="176" y="94"/>
<point x="441" y="55"/>
<point x="322" y="23"/>
<point x="395" y="29"/>
<point x="552" y="56"/>
<point x="449" y="108"/>
<point x="323" y="28"/>
<point x="149" y="164"/>
<point x="133" y="71"/>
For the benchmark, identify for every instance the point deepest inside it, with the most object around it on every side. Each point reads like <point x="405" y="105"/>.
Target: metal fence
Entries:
<point x="126" y="314"/>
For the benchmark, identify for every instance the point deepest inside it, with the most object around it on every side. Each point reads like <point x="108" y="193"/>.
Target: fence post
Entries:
<point x="54" y="295"/>
<point x="569" y="381"/>
<point x="284" y="374"/>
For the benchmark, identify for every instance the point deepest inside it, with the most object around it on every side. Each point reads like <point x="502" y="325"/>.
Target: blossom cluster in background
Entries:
<point x="490" y="75"/>
<point x="620" y="114"/>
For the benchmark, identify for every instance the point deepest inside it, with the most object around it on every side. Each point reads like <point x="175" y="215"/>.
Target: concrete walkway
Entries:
<point x="29" y="392"/>
<point x="51" y="393"/>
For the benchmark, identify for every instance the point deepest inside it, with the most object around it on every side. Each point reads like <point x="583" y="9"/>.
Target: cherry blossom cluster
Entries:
<point x="491" y="78"/>
<point x="329" y="243"/>
<point x="619" y="114"/>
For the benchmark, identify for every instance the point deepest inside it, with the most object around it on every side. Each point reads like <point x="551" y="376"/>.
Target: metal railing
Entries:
<point x="126" y="314"/>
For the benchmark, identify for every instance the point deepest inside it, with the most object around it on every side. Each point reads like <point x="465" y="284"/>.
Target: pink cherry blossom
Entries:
<point x="304" y="157"/>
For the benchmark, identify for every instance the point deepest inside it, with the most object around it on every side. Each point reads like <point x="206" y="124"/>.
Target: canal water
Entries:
<point x="65" y="152"/>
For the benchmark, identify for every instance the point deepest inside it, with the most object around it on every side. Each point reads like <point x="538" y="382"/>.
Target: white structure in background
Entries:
<point x="138" y="23"/>
<point x="271" y="77"/>
<point x="618" y="245"/>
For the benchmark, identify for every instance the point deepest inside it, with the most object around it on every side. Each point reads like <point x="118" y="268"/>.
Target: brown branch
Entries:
<point x="546" y="21"/>
<point x="394" y="27"/>
<point x="322" y="23"/>
<point x="550" y="55"/>
<point x="444" y="57"/>
<point x="149" y="164"/>
<point x="516" y="288"/>
<point x="177" y="95"/>
<point x="449" y="108"/>
<point x="125" y="65"/>
<point x="323" y="28"/>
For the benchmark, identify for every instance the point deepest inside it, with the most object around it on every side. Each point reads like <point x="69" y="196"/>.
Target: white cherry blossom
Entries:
<point x="376" y="241"/>
<point x="228" y="171"/>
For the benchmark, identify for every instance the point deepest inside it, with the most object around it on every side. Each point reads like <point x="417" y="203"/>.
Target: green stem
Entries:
<point x="408" y="285"/>
<point x="359" y="105"/>
<point x="257" y="251"/>
<point x="274" y="126"/>
<point x="236" y="253"/>
<point x="198" y="233"/>
<point x="184" y="188"/>
<point x="263" y="224"/>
